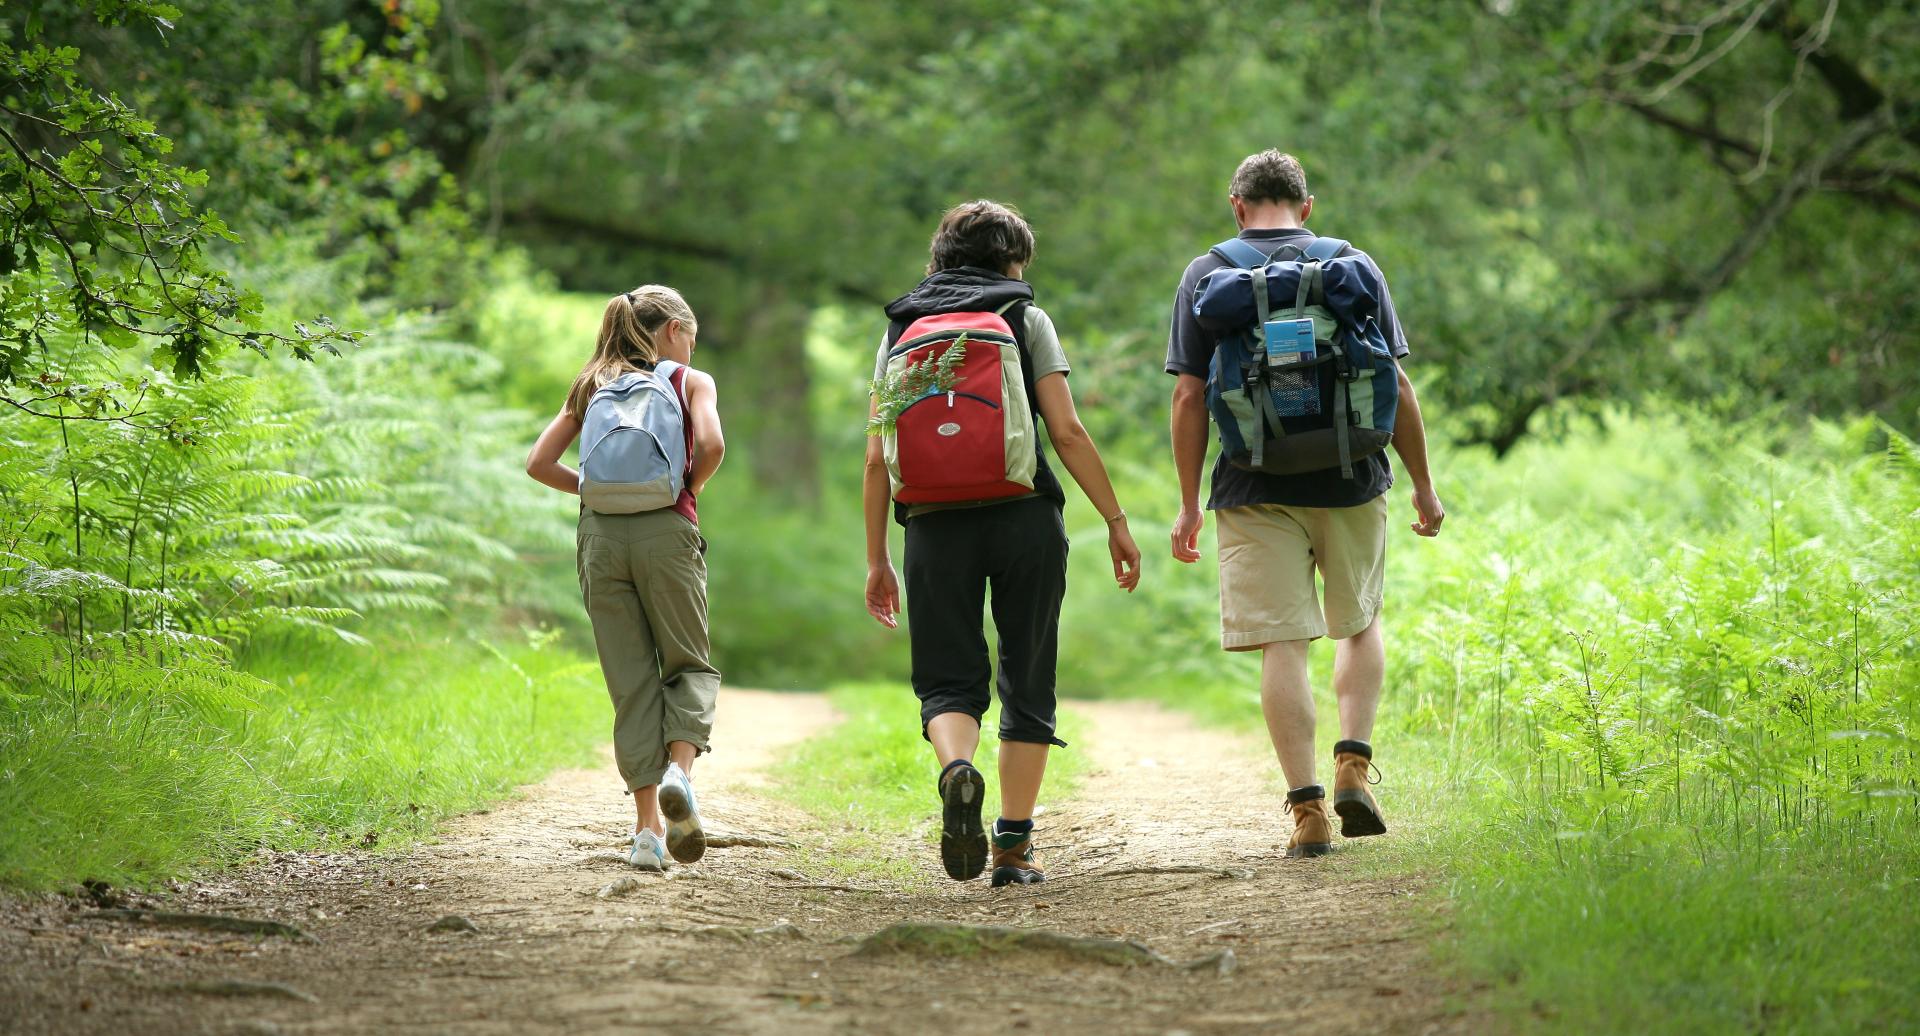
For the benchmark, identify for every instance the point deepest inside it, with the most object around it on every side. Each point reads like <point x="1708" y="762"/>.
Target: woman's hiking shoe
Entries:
<point x="963" y="840"/>
<point x="649" y="852"/>
<point x="1359" y="813"/>
<point x="1013" y="859"/>
<point x="686" y="840"/>
<point x="1312" y="832"/>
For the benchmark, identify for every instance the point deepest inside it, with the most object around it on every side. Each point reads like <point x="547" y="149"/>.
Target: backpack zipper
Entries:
<point x="973" y="335"/>
<point x="950" y="396"/>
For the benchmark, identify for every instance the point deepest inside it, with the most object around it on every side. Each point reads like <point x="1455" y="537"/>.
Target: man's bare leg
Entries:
<point x="1359" y="666"/>
<point x="1286" y="699"/>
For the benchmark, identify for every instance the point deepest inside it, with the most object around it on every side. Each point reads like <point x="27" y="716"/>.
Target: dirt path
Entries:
<point x="569" y="940"/>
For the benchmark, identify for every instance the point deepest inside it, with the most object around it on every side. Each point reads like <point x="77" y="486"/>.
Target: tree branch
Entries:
<point x="1843" y="179"/>
<point x="546" y="218"/>
<point x="1689" y="295"/>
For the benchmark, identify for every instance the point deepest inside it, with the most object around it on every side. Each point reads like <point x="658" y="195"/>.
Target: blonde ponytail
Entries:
<point x="628" y="339"/>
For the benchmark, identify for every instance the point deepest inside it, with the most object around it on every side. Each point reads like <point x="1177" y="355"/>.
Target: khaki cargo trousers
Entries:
<point x="644" y="579"/>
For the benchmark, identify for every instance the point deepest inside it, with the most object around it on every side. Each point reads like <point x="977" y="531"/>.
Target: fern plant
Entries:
<point x="930" y="376"/>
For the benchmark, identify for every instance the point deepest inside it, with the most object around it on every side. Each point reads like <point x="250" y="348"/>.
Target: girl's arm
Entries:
<point x="1077" y="451"/>
<point x="543" y="462"/>
<point x="876" y="493"/>
<point x="709" y="446"/>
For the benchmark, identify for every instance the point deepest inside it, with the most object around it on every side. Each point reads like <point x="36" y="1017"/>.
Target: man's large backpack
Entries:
<point x="1301" y="387"/>
<point x="976" y="441"/>
<point x="633" y="443"/>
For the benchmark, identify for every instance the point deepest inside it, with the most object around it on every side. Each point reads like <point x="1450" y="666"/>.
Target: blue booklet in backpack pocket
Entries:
<point x="1289" y="343"/>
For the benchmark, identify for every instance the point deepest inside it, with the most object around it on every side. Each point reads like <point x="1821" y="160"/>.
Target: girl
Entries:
<point x="1014" y="546"/>
<point x="644" y="578"/>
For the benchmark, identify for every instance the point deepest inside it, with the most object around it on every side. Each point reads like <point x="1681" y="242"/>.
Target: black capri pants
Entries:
<point x="1019" y="550"/>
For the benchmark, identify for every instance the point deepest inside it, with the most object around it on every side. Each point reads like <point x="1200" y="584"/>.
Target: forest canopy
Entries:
<point x="1708" y="205"/>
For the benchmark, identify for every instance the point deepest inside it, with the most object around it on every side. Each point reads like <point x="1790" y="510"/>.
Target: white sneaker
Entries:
<point x="685" y="838"/>
<point x="649" y="852"/>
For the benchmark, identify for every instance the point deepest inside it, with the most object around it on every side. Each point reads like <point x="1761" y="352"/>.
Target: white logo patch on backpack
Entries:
<point x="633" y="443"/>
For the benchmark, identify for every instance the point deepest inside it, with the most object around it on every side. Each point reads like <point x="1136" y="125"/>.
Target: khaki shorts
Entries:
<point x="1268" y="554"/>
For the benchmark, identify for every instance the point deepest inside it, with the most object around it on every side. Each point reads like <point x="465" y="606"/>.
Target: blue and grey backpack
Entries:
<point x="633" y="443"/>
<point x="1305" y="386"/>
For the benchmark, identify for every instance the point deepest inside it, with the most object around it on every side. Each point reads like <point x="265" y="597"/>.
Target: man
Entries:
<point x="1276" y="530"/>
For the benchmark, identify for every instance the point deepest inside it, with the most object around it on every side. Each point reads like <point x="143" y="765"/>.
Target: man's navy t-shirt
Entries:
<point x="1190" y="351"/>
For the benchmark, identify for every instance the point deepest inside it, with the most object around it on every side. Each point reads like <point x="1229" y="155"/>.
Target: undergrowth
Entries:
<point x="340" y="746"/>
<point x="1650" y="715"/>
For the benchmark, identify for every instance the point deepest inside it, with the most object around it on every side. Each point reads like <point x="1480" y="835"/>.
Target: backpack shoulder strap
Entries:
<point x="1239" y="253"/>
<point x="1015" y="314"/>
<point x="674" y="374"/>
<point x="1325" y="248"/>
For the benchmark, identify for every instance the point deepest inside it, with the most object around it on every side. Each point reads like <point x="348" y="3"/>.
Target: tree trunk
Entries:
<point x="755" y="342"/>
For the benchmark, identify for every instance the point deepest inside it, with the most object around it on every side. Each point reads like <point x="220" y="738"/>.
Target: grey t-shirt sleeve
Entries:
<point x="880" y="362"/>
<point x="1043" y="345"/>
<point x="1189" y="347"/>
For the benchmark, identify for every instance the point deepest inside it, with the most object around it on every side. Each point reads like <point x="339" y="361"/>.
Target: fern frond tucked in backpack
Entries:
<point x="932" y="375"/>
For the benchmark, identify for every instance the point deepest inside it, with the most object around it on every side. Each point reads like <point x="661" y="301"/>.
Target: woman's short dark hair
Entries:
<point x="981" y="233"/>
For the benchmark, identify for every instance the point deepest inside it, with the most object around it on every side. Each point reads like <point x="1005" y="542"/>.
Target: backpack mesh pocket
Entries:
<point x="1296" y="393"/>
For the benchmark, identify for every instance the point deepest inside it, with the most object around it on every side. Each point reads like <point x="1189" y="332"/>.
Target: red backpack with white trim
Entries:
<point x="962" y="427"/>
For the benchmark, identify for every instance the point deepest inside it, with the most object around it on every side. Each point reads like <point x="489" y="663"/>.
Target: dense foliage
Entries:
<point x="174" y="508"/>
<point x="1697" y="200"/>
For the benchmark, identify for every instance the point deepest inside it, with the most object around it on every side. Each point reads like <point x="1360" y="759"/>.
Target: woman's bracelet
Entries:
<point x="1122" y="514"/>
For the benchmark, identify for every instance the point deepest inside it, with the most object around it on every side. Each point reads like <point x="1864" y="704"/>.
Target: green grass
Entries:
<point x="1659" y="938"/>
<point x="1651" y="704"/>
<point x="353" y="747"/>
<point x="870" y="781"/>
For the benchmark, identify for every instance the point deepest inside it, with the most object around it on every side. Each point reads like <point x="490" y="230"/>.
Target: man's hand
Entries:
<point x="1126" y="556"/>
<point x="1426" y="507"/>
<point x="1186" y="535"/>
<point x="883" y="594"/>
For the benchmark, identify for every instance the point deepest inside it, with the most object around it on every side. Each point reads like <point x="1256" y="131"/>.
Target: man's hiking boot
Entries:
<point x="1013" y="859"/>
<point x="1359" y="813"/>
<point x="1312" y="832"/>
<point x="686" y="839"/>
<point x="963" y="839"/>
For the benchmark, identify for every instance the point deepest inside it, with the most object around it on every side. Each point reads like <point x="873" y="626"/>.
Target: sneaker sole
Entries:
<point x="1309" y="850"/>
<point x="963" y="839"/>
<point x="1016" y="876"/>
<point x="1358" y="817"/>
<point x="686" y="841"/>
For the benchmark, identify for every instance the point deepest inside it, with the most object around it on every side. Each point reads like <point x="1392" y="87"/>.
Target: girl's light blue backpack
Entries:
<point x="633" y="443"/>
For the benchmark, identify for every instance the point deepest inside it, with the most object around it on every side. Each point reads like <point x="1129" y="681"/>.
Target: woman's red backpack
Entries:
<point x="962" y="425"/>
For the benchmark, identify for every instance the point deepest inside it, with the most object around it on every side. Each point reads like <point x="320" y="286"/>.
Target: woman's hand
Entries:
<point x="883" y="594"/>
<point x="1126" y="556"/>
